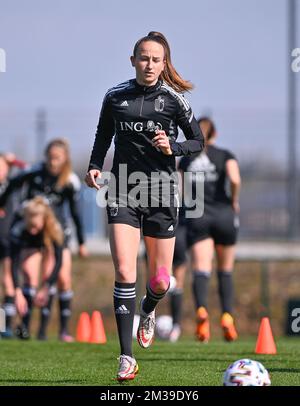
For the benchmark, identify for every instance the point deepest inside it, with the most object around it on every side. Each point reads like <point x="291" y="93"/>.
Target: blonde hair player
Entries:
<point x="55" y="180"/>
<point x="36" y="236"/>
<point x="8" y="162"/>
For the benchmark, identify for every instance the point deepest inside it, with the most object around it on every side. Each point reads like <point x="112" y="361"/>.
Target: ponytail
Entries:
<point x="207" y="126"/>
<point x="169" y="74"/>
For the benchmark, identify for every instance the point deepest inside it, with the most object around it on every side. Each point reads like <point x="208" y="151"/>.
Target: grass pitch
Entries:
<point x="184" y="363"/>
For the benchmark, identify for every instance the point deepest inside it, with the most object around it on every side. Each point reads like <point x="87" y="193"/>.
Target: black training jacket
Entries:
<point x="132" y="113"/>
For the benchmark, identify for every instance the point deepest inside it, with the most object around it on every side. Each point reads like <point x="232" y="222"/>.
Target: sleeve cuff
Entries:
<point x="94" y="166"/>
<point x="176" y="150"/>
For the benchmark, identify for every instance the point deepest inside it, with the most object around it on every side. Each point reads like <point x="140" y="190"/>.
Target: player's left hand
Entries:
<point x="82" y="251"/>
<point x="161" y="141"/>
<point x="42" y="297"/>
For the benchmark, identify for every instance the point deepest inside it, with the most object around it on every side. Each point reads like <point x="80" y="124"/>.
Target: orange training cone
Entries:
<point x="83" y="331"/>
<point x="265" y="342"/>
<point x="98" y="335"/>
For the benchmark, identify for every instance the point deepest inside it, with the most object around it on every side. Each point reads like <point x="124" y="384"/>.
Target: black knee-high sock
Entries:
<point x="176" y="305"/>
<point x="225" y="290"/>
<point x="29" y="293"/>
<point x="124" y="305"/>
<point x="65" y="299"/>
<point x="200" y="287"/>
<point x="46" y="313"/>
<point x="152" y="299"/>
<point x="10" y="311"/>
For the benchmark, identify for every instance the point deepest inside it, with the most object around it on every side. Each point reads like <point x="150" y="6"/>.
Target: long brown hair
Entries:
<point x="169" y="74"/>
<point x="64" y="176"/>
<point x="52" y="231"/>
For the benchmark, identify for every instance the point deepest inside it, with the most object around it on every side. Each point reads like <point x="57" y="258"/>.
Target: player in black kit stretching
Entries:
<point x="55" y="180"/>
<point x="36" y="235"/>
<point x="8" y="161"/>
<point x="143" y="114"/>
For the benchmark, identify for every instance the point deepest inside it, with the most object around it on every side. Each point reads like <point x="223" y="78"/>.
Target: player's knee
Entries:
<point x="124" y="274"/>
<point x="65" y="287"/>
<point x="161" y="281"/>
<point x="179" y="283"/>
<point x="225" y="270"/>
<point x="161" y="287"/>
<point x="64" y="284"/>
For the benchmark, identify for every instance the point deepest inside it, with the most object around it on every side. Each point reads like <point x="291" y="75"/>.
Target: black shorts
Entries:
<point x="181" y="246"/>
<point x="219" y="223"/>
<point x="4" y="248"/>
<point x="157" y="222"/>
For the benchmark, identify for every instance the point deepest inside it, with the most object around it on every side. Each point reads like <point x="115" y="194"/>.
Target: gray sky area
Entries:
<point x="63" y="55"/>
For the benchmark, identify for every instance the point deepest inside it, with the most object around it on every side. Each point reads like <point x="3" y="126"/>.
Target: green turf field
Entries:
<point x="184" y="363"/>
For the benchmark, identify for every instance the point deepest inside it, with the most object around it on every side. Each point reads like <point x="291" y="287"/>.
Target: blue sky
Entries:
<point x="63" y="55"/>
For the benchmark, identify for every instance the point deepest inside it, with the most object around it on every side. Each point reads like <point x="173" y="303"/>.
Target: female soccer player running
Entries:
<point x="35" y="236"/>
<point x="144" y="114"/>
<point x="55" y="180"/>
<point x="216" y="231"/>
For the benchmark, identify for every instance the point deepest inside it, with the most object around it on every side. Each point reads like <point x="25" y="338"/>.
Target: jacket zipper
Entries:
<point x="142" y="104"/>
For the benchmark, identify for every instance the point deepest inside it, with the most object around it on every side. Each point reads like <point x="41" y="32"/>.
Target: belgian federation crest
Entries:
<point x="113" y="209"/>
<point x="159" y="104"/>
<point x="150" y="126"/>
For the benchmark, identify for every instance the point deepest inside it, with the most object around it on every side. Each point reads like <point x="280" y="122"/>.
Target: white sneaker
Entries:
<point x="145" y="333"/>
<point x="128" y="368"/>
<point x="175" y="333"/>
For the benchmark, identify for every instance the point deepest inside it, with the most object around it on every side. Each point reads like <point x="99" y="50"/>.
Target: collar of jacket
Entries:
<point x="148" y="89"/>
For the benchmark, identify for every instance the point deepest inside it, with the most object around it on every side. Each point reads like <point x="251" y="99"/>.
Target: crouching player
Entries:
<point x="8" y="163"/>
<point x="35" y="242"/>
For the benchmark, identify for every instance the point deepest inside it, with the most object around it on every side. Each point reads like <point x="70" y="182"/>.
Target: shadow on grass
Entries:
<point x="176" y="359"/>
<point x="41" y="381"/>
<point x="288" y="370"/>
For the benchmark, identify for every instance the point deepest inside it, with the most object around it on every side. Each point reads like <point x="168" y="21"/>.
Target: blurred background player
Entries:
<point x="8" y="162"/>
<point x="214" y="232"/>
<point x="35" y="236"/>
<point x="55" y="180"/>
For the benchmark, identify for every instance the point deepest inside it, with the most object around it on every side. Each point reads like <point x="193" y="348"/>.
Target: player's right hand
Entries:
<point x="90" y="178"/>
<point x="42" y="297"/>
<point x="82" y="251"/>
